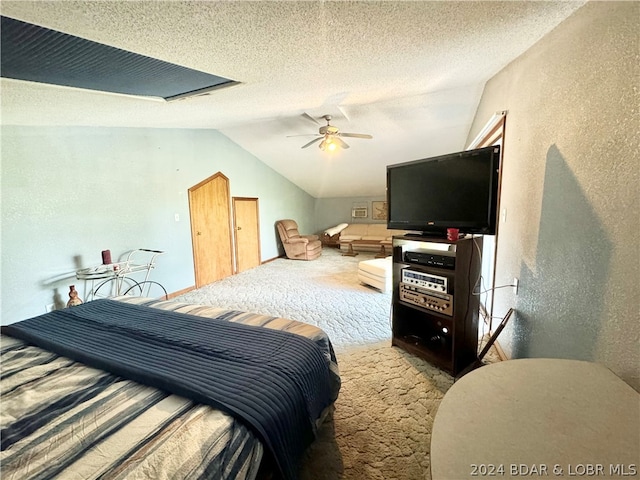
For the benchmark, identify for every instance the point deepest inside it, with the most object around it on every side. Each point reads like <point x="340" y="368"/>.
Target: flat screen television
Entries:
<point x="458" y="190"/>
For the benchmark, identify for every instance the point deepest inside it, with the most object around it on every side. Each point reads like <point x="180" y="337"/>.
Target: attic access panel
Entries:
<point x="37" y="54"/>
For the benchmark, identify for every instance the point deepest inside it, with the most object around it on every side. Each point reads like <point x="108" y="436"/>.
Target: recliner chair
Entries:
<point x="296" y="246"/>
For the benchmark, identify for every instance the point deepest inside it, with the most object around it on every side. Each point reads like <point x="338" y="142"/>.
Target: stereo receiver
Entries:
<point x="424" y="280"/>
<point x="438" y="302"/>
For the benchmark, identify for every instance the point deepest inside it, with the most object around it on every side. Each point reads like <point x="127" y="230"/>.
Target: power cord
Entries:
<point x="495" y="288"/>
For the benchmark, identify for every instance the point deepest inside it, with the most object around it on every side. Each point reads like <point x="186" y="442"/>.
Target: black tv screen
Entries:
<point x="458" y="190"/>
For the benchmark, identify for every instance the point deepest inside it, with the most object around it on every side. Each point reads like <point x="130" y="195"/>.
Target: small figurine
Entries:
<point x="73" y="297"/>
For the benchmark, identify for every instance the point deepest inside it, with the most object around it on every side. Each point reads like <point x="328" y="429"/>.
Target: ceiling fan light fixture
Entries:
<point x="328" y="144"/>
<point x="330" y="137"/>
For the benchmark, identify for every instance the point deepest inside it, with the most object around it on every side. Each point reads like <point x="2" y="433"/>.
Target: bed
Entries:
<point x="140" y="388"/>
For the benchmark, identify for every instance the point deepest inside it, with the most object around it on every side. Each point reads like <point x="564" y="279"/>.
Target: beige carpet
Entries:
<point x="381" y="424"/>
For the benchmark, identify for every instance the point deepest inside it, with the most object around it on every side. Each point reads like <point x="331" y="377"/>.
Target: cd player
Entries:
<point x="431" y="259"/>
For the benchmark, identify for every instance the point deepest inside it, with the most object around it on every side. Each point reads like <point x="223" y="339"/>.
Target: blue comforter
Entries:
<point x="276" y="382"/>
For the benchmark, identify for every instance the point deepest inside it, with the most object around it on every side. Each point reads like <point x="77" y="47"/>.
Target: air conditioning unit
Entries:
<point x="359" y="212"/>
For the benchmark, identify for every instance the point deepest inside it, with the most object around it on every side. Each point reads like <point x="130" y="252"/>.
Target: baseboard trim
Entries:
<point x="501" y="354"/>
<point x="271" y="259"/>
<point x="496" y="344"/>
<point x="180" y="292"/>
<point x="193" y="287"/>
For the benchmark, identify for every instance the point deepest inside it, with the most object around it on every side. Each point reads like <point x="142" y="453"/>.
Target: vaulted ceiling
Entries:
<point x="410" y="73"/>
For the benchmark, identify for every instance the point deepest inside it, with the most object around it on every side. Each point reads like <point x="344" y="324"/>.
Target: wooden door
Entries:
<point x="211" y="229"/>
<point x="247" y="233"/>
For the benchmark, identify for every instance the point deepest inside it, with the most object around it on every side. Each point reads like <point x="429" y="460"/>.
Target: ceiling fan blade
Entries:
<point x="356" y="135"/>
<point x="305" y="135"/>
<point x="344" y="114"/>
<point x="309" y="117"/>
<point x="342" y="143"/>
<point x="312" y="142"/>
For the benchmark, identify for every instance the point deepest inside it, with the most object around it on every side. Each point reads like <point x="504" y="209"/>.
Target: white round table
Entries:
<point x="537" y="418"/>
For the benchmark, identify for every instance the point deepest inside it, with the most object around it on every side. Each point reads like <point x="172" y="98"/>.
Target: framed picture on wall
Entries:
<point x="379" y="210"/>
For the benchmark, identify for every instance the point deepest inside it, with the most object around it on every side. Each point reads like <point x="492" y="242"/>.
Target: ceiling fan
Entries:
<point x="330" y="136"/>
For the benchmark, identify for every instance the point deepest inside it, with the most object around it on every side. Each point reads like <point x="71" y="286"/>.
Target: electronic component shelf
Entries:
<point x="434" y="313"/>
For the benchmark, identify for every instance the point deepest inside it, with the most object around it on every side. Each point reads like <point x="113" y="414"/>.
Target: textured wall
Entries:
<point x="570" y="187"/>
<point x="329" y="212"/>
<point x="69" y="193"/>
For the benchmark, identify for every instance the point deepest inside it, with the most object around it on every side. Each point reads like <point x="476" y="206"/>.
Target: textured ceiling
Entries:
<point x="409" y="73"/>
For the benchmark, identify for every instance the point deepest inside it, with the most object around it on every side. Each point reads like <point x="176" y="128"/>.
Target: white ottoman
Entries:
<point x="376" y="272"/>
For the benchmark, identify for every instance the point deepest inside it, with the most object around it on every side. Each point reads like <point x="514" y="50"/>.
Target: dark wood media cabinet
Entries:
<point x="429" y="320"/>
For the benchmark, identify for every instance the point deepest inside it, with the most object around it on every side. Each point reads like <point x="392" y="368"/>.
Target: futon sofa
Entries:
<point x="374" y="237"/>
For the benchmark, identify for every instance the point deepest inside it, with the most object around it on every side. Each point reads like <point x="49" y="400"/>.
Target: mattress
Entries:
<point x="60" y="417"/>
